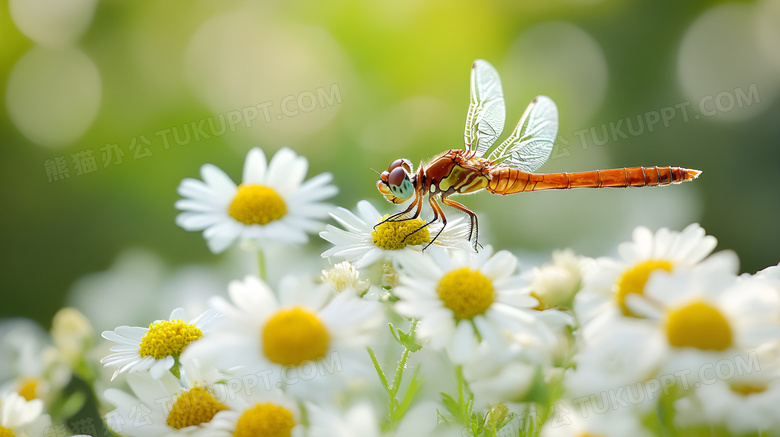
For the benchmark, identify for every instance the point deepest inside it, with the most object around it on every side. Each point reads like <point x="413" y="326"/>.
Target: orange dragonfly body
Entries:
<point x="508" y="168"/>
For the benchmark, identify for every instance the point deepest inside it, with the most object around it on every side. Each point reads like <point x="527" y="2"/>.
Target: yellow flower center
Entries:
<point x="466" y="292"/>
<point x="747" y="389"/>
<point x="698" y="325"/>
<point x="28" y="388"/>
<point x="397" y="235"/>
<point x="634" y="279"/>
<point x="257" y="205"/>
<point x="5" y="432"/>
<point x="265" y="420"/>
<point x="193" y="408"/>
<point x="293" y="336"/>
<point x="168" y="338"/>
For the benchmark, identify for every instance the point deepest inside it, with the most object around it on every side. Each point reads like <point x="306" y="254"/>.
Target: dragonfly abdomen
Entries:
<point x="507" y="180"/>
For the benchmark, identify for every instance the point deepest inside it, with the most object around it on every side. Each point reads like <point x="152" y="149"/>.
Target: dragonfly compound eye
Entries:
<point x="397" y="176"/>
<point x="399" y="183"/>
<point x="405" y="163"/>
<point x="395" y="164"/>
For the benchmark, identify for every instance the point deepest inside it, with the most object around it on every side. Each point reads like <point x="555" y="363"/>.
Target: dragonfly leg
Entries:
<point x="473" y="223"/>
<point x="437" y="211"/>
<point x="417" y="203"/>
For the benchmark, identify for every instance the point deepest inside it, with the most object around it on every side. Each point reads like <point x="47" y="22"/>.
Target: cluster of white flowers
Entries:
<point x="35" y="369"/>
<point x="670" y="327"/>
<point x="665" y="338"/>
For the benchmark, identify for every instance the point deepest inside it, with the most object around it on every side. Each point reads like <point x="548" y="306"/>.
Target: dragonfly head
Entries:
<point x="396" y="182"/>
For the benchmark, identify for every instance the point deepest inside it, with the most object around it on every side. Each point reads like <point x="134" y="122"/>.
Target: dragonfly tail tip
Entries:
<point x="692" y="174"/>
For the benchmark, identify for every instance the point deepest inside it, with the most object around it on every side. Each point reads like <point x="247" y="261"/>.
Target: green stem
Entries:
<point x="476" y="331"/>
<point x="399" y="373"/>
<point x="395" y="409"/>
<point x="261" y="264"/>
<point x="463" y="405"/>
<point x="175" y="369"/>
<point x="304" y="414"/>
<point x="459" y="377"/>
<point x="666" y="406"/>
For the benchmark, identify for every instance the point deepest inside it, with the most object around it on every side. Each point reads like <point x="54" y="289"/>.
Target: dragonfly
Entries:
<point x="504" y="169"/>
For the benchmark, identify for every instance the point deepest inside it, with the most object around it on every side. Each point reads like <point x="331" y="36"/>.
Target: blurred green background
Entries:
<point x="372" y="81"/>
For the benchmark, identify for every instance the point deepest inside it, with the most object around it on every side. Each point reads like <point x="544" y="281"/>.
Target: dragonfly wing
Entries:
<point x="485" y="119"/>
<point x="531" y="142"/>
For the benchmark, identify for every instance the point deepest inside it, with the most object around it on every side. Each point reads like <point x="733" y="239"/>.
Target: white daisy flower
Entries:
<point x="22" y="418"/>
<point x="204" y="407"/>
<point x="259" y="413"/>
<point x="363" y="245"/>
<point x="307" y="340"/>
<point x="608" y="282"/>
<point x="272" y="203"/>
<point x="744" y="404"/>
<point x="689" y="321"/>
<point x="706" y="314"/>
<point x="460" y="296"/>
<point x="161" y="406"/>
<point x="157" y="348"/>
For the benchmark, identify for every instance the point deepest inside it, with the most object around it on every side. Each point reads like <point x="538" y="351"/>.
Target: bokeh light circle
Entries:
<point x="560" y="60"/>
<point x="52" y="22"/>
<point x="53" y="96"/>
<point x="719" y="65"/>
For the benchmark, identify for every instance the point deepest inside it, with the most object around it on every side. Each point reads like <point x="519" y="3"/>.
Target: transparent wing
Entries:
<point x="531" y="142"/>
<point x="485" y="119"/>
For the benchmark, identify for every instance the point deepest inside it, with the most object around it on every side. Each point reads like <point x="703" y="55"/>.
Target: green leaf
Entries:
<point x="409" y="341"/>
<point x="395" y="336"/>
<point x="476" y="425"/>
<point x="414" y="386"/>
<point x="378" y="368"/>
<point x="453" y="408"/>
<point x="440" y="418"/>
<point x="509" y="418"/>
